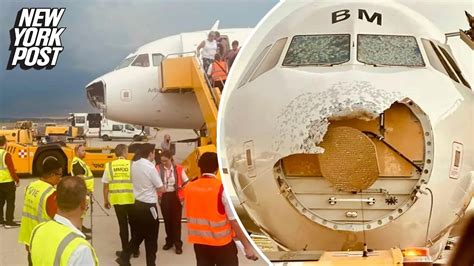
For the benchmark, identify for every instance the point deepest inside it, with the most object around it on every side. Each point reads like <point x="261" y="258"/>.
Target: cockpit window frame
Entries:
<point x="322" y="64"/>
<point x="138" y="56"/>
<point x="253" y="66"/>
<point x="153" y="59"/>
<point x="454" y="66"/>
<point x="431" y="47"/>
<point x="130" y="59"/>
<point x="389" y="65"/>
<point x="266" y="64"/>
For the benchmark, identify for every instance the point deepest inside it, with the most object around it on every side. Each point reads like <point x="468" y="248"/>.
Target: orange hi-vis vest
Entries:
<point x="178" y="176"/>
<point x="219" y="70"/>
<point x="206" y="225"/>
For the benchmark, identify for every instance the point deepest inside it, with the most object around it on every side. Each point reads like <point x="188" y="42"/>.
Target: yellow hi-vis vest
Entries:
<point x="34" y="208"/>
<point x="53" y="243"/>
<point x="120" y="182"/>
<point x="4" y="173"/>
<point x="88" y="176"/>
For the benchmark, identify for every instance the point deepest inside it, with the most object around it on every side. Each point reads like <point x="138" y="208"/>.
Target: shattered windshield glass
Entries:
<point x="388" y="50"/>
<point x="318" y="50"/>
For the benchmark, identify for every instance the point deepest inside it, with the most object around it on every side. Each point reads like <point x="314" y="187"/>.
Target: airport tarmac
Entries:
<point x="105" y="237"/>
<point x="105" y="227"/>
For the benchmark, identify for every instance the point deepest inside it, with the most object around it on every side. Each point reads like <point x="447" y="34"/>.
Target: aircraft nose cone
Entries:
<point x="96" y="94"/>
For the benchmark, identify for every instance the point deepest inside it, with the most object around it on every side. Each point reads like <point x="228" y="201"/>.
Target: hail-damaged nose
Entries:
<point x="305" y="120"/>
<point x="96" y="94"/>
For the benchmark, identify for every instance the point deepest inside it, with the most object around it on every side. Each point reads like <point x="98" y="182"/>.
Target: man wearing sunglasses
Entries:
<point x="40" y="201"/>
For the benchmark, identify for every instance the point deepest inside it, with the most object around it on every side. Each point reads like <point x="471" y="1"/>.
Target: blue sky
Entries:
<point x="99" y="35"/>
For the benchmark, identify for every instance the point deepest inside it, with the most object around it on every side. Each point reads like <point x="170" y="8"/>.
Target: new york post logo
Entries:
<point x="35" y="39"/>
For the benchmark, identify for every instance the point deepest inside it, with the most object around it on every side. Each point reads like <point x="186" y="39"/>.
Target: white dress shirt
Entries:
<point x="83" y="254"/>
<point x="145" y="181"/>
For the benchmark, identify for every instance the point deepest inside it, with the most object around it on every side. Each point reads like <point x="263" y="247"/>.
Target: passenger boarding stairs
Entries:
<point x="183" y="71"/>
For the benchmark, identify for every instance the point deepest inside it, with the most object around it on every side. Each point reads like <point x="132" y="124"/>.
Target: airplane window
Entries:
<point x="126" y="62"/>
<point x="318" y="50"/>
<point x="271" y="59"/>
<point x="157" y="58"/>
<point x="388" y="50"/>
<point x="454" y="66"/>
<point x="141" y="61"/>
<point x="254" y="65"/>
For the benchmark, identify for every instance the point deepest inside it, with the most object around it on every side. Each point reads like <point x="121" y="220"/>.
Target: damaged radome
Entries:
<point x="304" y="122"/>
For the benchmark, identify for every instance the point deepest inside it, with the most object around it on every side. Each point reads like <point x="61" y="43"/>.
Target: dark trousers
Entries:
<point x="124" y="218"/>
<point x="172" y="210"/>
<point x="7" y="194"/>
<point x="145" y="227"/>
<point x="216" y="255"/>
<point x="206" y="62"/>
<point x="30" y="263"/>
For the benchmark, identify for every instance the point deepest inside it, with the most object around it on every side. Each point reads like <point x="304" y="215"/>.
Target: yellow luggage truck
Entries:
<point x="69" y="132"/>
<point x="28" y="159"/>
<point x="58" y="130"/>
<point x="18" y="135"/>
<point x="23" y="132"/>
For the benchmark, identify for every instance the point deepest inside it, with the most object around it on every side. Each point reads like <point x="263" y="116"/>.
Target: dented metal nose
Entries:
<point x="96" y="94"/>
<point x="305" y="120"/>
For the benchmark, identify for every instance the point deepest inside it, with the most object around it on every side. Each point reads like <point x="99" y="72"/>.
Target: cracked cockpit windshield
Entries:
<point x="389" y="50"/>
<point x="330" y="49"/>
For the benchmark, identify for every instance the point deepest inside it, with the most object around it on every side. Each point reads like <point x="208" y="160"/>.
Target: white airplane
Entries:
<point x="132" y="92"/>
<point x="354" y="126"/>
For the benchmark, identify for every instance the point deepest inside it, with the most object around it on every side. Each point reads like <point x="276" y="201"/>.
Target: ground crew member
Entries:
<point x="211" y="224"/>
<point x="174" y="178"/>
<point x="40" y="201"/>
<point x="218" y="72"/>
<point x="118" y="191"/>
<point x="146" y="185"/>
<point x="59" y="241"/>
<point x="8" y="183"/>
<point x="81" y="169"/>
